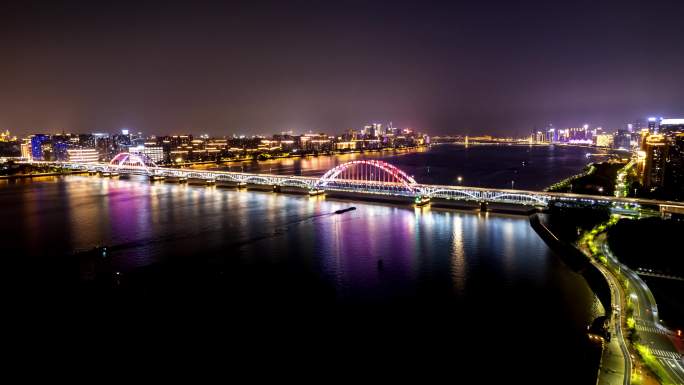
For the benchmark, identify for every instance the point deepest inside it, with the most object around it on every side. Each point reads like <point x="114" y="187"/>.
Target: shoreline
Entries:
<point x="291" y="156"/>
<point x="29" y="176"/>
<point x="579" y="263"/>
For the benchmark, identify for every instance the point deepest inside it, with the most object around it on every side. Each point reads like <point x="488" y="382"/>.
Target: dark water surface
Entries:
<point x="389" y="285"/>
<point x="528" y="167"/>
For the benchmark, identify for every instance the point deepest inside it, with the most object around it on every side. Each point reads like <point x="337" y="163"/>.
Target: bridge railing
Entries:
<point x="480" y="194"/>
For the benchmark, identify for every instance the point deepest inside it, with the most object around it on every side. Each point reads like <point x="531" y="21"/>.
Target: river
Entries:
<point x="413" y="286"/>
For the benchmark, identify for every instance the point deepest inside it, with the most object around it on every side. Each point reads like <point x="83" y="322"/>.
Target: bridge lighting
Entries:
<point x="358" y="176"/>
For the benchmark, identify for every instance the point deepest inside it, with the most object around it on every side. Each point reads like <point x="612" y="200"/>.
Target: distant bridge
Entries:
<point x="366" y="177"/>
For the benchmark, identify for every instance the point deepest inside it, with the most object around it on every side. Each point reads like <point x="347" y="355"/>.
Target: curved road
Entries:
<point x="614" y="372"/>
<point x="651" y="333"/>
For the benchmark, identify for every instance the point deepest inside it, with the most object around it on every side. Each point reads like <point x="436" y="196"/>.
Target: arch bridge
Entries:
<point x="359" y="176"/>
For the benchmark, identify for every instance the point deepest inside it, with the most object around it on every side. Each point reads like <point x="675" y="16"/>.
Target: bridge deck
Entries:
<point x="536" y="198"/>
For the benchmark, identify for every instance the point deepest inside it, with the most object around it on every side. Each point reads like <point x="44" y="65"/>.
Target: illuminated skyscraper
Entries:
<point x="656" y="152"/>
<point x="674" y="174"/>
<point x="622" y="139"/>
<point x="652" y="125"/>
<point x="26" y="149"/>
<point x="37" y="142"/>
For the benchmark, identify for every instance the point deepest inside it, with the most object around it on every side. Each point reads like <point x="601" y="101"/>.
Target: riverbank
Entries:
<point x="296" y="155"/>
<point x="610" y="359"/>
<point x="38" y="175"/>
<point x="574" y="259"/>
<point x="597" y="179"/>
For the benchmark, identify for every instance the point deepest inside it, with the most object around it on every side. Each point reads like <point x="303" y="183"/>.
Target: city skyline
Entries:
<point x="491" y="68"/>
<point x="633" y="125"/>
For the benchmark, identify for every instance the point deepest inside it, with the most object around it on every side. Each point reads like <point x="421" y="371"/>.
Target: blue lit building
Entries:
<point x="60" y="151"/>
<point x="37" y="142"/>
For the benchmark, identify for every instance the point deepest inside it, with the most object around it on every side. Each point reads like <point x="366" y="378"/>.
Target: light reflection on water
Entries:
<point x="479" y="267"/>
<point x="145" y="222"/>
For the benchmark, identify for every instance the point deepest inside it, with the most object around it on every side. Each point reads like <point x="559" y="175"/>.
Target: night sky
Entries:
<point x="257" y="67"/>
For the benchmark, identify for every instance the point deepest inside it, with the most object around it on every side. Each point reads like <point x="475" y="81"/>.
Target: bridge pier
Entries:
<point x="202" y="181"/>
<point x="230" y="183"/>
<point x="259" y="187"/>
<point x="176" y="179"/>
<point x="483" y="206"/>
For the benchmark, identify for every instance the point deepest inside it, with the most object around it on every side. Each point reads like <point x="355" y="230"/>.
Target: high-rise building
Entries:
<point x="653" y="124"/>
<point x="622" y="140"/>
<point x="83" y="155"/>
<point x="671" y="126"/>
<point x="551" y="135"/>
<point x="37" y="142"/>
<point x="104" y="145"/>
<point x="656" y="154"/>
<point x="674" y="173"/>
<point x="155" y="153"/>
<point x="604" y="140"/>
<point x="59" y="151"/>
<point x="26" y="149"/>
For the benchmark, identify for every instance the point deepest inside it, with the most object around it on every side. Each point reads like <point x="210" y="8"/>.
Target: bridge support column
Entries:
<point x="276" y="188"/>
<point x="483" y="206"/>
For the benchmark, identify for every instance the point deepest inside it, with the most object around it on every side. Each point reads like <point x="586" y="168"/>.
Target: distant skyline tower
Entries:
<point x="652" y="124"/>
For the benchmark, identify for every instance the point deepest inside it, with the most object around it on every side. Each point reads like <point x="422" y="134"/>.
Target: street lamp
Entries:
<point x="512" y="184"/>
<point x="460" y="179"/>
